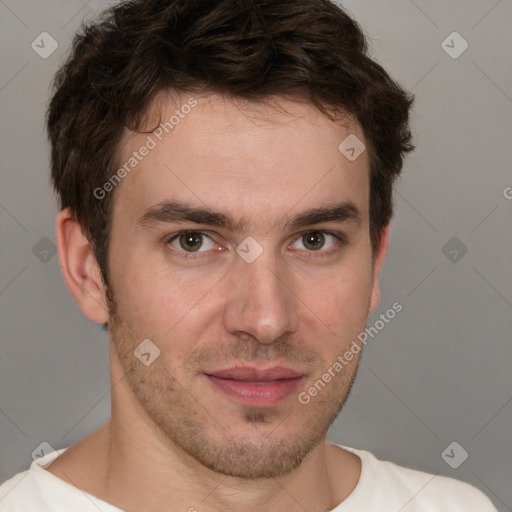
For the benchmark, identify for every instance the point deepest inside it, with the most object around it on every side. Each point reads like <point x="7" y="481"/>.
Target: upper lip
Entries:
<point x="251" y="374"/>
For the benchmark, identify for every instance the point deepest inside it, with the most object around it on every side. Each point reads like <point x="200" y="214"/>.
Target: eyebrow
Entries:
<point x="177" y="211"/>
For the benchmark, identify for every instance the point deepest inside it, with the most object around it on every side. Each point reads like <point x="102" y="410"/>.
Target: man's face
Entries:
<point x="241" y="333"/>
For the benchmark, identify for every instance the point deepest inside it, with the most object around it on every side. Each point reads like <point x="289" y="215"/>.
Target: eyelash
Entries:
<point x="341" y="242"/>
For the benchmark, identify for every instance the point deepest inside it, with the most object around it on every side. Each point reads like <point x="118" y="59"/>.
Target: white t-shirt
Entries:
<point x="382" y="487"/>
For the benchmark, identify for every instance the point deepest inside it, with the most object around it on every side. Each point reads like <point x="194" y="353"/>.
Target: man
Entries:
<point x="225" y="175"/>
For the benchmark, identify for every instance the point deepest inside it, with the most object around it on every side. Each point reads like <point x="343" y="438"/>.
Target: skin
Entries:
<point x="175" y="441"/>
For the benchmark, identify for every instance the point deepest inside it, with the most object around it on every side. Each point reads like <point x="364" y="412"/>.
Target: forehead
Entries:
<point x="262" y="159"/>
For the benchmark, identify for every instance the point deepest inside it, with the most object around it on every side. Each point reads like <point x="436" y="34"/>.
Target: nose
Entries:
<point x="260" y="301"/>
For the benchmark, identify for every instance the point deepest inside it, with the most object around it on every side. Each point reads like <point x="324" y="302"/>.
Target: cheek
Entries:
<point x="163" y="303"/>
<point x="341" y="299"/>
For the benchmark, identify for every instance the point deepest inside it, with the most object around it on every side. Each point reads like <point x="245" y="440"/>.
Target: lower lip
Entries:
<point x="257" y="394"/>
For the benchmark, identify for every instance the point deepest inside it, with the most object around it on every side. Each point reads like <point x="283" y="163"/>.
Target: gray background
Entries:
<point x="437" y="373"/>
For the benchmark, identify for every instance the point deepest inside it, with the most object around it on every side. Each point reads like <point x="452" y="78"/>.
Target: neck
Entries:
<point x="146" y="472"/>
<point x="131" y="464"/>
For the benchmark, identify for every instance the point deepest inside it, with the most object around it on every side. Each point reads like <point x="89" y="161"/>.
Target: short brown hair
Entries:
<point x="246" y="49"/>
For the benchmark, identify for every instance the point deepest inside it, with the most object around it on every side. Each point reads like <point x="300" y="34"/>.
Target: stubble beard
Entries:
<point x="277" y="445"/>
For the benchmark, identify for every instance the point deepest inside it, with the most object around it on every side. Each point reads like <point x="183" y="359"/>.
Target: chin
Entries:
<point x="250" y="461"/>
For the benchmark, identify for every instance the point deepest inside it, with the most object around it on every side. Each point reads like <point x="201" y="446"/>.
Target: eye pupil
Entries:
<point x="314" y="240"/>
<point x="191" y="241"/>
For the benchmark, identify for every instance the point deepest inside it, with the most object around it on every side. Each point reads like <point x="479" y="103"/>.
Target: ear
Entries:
<point x="378" y="261"/>
<point x="80" y="268"/>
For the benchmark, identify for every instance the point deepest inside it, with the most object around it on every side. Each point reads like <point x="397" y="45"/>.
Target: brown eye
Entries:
<point x="322" y="242"/>
<point x="191" y="241"/>
<point x="314" y="240"/>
